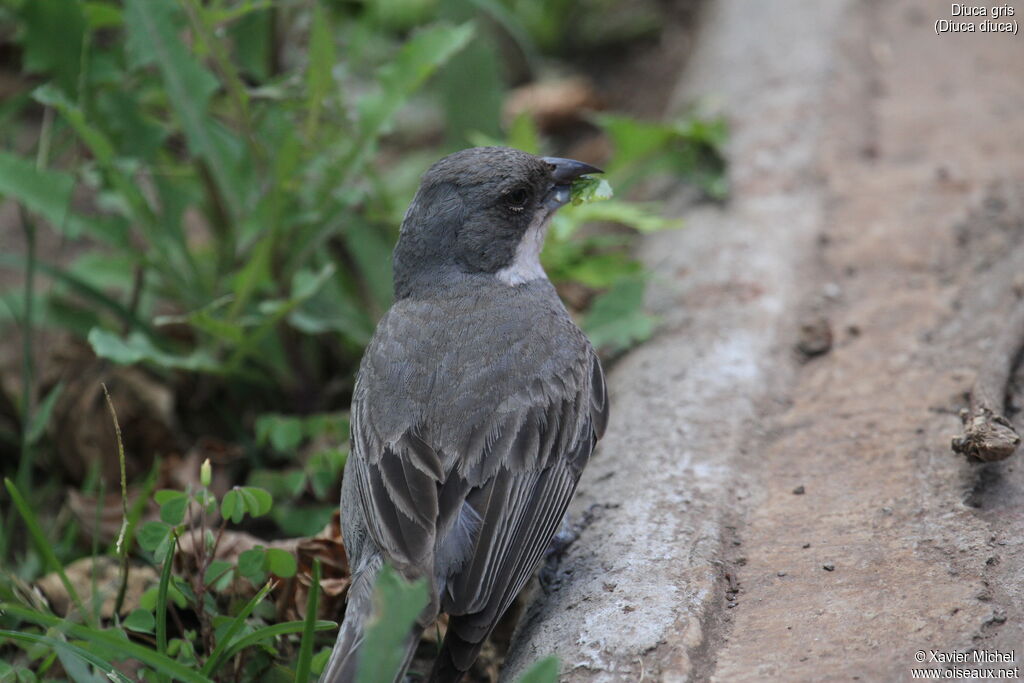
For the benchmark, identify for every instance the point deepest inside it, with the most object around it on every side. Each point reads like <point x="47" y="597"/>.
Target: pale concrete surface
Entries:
<point x="878" y="181"/>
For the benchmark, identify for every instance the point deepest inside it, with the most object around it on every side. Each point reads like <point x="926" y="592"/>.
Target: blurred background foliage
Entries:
<point x="201" y="200"/>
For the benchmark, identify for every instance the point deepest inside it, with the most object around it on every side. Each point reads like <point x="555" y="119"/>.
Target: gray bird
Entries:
<point x="477" y="405"/>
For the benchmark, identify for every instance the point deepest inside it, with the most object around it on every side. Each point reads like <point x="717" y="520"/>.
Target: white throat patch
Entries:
<point x="525" y="265"/>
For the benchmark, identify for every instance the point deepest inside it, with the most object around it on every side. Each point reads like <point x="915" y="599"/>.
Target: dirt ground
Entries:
<point x="765" y="515"/>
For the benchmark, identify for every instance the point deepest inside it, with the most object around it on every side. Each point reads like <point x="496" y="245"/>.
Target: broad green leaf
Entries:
<point x="166" y="495"/>
<point x="232" y="506"/>
<point x="102" y="15"/>
<point x="53" y="33"/>
<point x="590" y="189"/>
<point x="283" y="432"/>
<point x="137" y="348"/>
<point x="281" y="563"/>
<point x="140" y="620"/>
<point x="219" y="574"/>
<point x="617" y="319"/>
<point x="640" y="217"/>
<point x="371" y="248"/>
<point x="303" y="520"/>
<point x="173" y="510"/>
<point x="251" y="563"/>
<point x="152" y="534"/>
<point x="42" y="191"/>
<point x="397" y="603"/>
<point x="282" y="484"/>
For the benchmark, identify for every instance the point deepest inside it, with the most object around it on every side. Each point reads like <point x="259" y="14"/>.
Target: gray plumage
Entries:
<point x="477" y="405"/>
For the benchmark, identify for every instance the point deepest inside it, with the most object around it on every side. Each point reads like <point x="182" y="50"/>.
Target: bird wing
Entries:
<point x="521" y="506"/>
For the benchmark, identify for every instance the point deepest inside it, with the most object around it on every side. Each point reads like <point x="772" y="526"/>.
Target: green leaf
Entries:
<point x="283" y="432"/>
<point x="220" y="653"/>
<point x="113" y="640"/>
<point x="137" y="348"/>
<point x="282" y="484"/>
<point x="61" y="646"/>
<point x="543" y="671"/>
<point x="251" y="563"/>
<point x="161" y="596"/>
<point x="418" y="59"/>
<point x="304" y="664"/>
<point x="523" y="134"/>
<point x="641" y="217"/>
<point x="53" y="33"/>
<point x="281" y="563"/>
<point x="140" y="620"/>
<point x="152" y="37"/>
<point x="166" y="495"/>
<point x="42" y="191"/>
<point x="617" y="319"/>
<point x="397" y="603"/>
<point x="270" y="632"/>
<point x="173" y="510"/>
<point x="589" y="189"/>
<point x="41" y="416"/>
<point x="232" y="506"/>
<point x="319" y="81"/>
<point x="43" y="545"/>
<point x="152" y="534"/>
<point x="218" y="575"/>
<point x="303" y="520"/>
<point x="264" y="501"/>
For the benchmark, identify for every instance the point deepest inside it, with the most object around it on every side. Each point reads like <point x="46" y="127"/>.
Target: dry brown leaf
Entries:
<point x="80" y="574"/>
<point x="81" y="426"/>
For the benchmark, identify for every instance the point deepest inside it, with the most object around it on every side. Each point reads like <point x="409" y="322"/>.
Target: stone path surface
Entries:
<point x="756" y="515"/>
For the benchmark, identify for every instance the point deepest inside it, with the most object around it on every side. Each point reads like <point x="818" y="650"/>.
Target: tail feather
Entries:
<point x="457" y="654"/>
<point x="343" y="664"/>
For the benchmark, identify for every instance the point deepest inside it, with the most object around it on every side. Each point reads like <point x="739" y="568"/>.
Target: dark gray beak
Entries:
<point x="564" y="171"/>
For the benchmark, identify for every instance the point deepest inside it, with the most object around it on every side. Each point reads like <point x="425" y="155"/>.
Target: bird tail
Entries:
<point x="458" y="652"/>
<point x="344" y="661"/>
<point x="342" y="666"/>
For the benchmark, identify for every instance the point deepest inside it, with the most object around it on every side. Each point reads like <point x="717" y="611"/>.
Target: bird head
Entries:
<point x="483" y="210"/>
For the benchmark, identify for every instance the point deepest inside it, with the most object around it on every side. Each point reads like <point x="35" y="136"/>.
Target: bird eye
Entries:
<point x="517" y="199"/>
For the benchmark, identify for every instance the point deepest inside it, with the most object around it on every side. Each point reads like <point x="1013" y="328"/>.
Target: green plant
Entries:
<point x="193" y="655"/>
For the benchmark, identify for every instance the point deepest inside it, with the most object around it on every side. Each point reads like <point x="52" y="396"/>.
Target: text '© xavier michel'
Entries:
<point x="995" y="19"/>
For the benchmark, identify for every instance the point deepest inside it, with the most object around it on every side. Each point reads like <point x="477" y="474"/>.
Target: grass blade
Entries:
<point x="220" y="653"/>
<point x="161" y="596"/>
<point x="268" y="632"/>
<point x="306" y="648"/>
<point x="83" y="654"/>
<point x="160" y="662"/>
<point x="44" y="546"/>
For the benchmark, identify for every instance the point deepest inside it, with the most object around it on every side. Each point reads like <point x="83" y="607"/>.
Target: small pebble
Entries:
<point x="828" y="567"/>
<point x="799" y="490"/>
<point x="806" y="545"/>
<point x="781" y="574"/>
